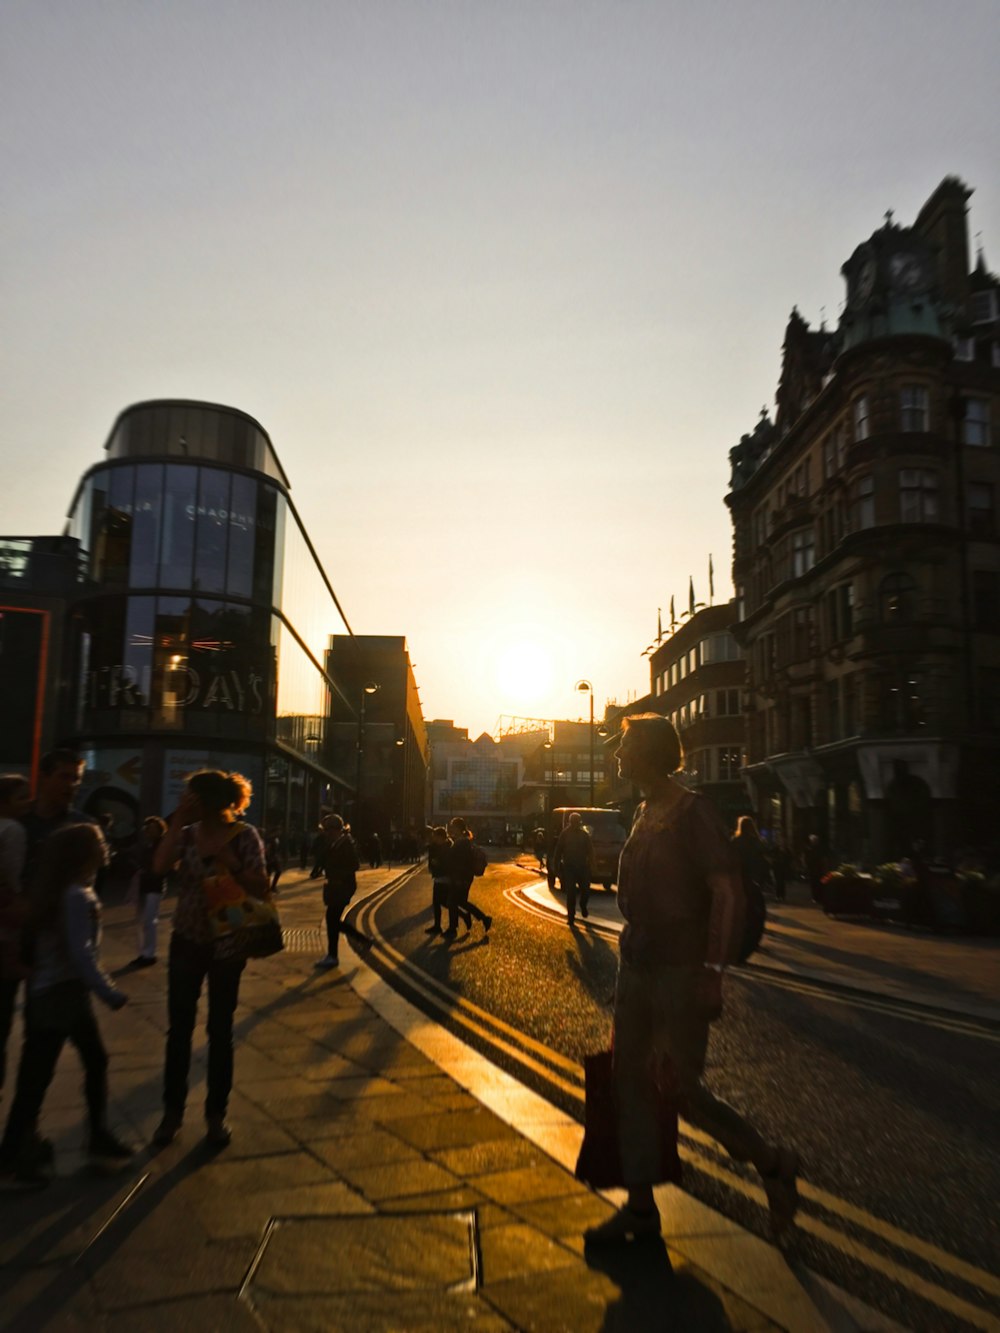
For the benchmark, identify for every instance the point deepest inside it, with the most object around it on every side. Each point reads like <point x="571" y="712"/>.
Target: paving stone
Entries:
<point x="163" y="1275"/>
<point x="479" y="1159"/>
<point x="226" y="1217"/>
<point x="461" y="1199"/>
<point x="395" y="1180"/>
<point x="546" y="1181"/>
<point x="58" y="1300"/>
<point x="454" y="1101"/>
<point x="512" y="1251"/>
<point x="569" y="1300"/>
<point x="458" y="1129"/>
<point x="372" y="1147"/>
<point x="233" y="1179"/>
<point x="568" y="1216"/>
<point x="374" y="1313"/>
<point x="335" y="1256"/>
<point x="200" y="1314"/>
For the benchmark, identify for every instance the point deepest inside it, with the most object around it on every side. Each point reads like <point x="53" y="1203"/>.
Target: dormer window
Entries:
<point x="983" y="307"/>
<point x="913" y="412"/>
<point x="965" y="349"/>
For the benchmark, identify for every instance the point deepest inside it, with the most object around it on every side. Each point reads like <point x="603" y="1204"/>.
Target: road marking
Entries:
<point x="518" y="1045"/>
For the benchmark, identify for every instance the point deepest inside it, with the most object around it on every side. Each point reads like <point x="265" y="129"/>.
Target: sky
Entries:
<point x="504" y="281"/>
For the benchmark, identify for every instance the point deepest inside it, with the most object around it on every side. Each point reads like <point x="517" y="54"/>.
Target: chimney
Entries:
<point x="942" y="222"/>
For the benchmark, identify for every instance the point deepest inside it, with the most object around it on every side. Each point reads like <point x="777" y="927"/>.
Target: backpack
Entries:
<point x="479" y="861"/>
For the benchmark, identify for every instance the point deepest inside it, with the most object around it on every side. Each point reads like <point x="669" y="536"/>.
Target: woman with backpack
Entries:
<point x="64" y="927"/>
<point x="463" y="864"/>
<point x="338" y="861"/>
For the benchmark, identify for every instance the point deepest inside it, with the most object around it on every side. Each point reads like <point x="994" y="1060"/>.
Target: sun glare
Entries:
<point x="523" y="675"/>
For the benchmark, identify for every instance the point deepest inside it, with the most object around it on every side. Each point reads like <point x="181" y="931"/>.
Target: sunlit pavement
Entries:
<point x="364" y="1187"/>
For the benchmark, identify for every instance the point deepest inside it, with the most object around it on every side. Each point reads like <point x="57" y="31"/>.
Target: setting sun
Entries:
<point x="524" y="675"/>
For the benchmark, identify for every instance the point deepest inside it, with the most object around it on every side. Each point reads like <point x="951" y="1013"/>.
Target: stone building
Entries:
<point x="866" y="557"/>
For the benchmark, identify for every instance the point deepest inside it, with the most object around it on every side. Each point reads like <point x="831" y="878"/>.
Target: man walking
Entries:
<point x="573" y="862"/>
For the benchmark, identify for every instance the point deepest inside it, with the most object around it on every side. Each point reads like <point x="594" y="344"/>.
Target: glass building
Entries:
<point x="203" y="633"/>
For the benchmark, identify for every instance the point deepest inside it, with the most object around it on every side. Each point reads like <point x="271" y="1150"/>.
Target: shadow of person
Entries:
<point x="654" y="1296"/>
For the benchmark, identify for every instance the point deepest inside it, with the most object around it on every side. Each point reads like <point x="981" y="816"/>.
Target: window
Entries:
<point x="727" y="703"/>
<point x="803" y="551"/>
<point x="862" y="424"/>
<point x="829" y="456"/>
<point x="801" y="633"/>
<point x="841" y="436"/>
<point x="718" y="648"/>
<point x="840" y="612"/>
<point x="976" y="421"/>
<point x="983" y="307"/>
<point x="980" y="515"/>
<point x="833" y="732"/>
<point x="986" y="599"/>
<point x="913" y="415"/>
<point x="897" y="596"/>
<point x="864" y="507"/>
<point x="965" y="349"/>
<point x="849" y="705"/>
<point x="918" y="496"/>
<point x="730" y="762"/>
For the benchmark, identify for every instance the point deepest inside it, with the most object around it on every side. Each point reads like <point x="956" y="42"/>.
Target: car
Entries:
<point x="607" y="833"/>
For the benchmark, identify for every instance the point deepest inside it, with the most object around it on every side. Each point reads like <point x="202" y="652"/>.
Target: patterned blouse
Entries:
<point x="191" y="913"/>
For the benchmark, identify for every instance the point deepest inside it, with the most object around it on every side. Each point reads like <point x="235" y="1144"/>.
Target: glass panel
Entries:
<point x="266" y="546"/>
<point x="147" y="508"/>
<point x="137" y="657"/>
<point x="112" y="524"/>
<point x="80" y="519"/>
<point x="180" y="491"/>
<point x="305" y="599"/>
<point x="242" y="536"/>
<point x="212" y="530"/>
<point x="171" y="688"/>
<point x="303" y="696"/>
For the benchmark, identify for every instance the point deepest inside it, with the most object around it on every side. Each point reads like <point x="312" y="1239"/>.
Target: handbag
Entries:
<point x="242" y="925"/>
<point x="599" y="1163"/>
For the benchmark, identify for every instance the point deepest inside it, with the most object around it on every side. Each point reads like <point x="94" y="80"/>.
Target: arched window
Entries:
<point x="897" y="599"/>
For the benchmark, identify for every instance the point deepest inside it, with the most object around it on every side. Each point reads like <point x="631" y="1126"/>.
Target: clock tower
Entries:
<point x="891" y="287"/>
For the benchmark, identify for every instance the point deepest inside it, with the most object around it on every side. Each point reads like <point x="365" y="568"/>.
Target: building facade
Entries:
<point x="201" y="631"/>
<point x="866" y="556"/>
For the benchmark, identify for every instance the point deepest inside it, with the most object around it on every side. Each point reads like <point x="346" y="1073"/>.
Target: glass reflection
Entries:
<point x="179" y="502"/>
<point x="146" y="510"/>
<point x="212" y="535"/>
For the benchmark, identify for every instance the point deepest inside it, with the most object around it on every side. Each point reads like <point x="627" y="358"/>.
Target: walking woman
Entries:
<point x="461" y="865"/>
<point x="205" y="835"/>
<point x="64" y="924"/>
<point x="679" y="892"/>
<point x="437" y="863"/>
<point x="149" y="893"/>
<point x="338" y="861"/>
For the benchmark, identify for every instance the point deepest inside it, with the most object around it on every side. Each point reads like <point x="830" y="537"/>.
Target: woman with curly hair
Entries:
<point x="204" y="836"/>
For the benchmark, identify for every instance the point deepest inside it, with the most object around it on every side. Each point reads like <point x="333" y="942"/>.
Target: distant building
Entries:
<point x="866" y="556"/>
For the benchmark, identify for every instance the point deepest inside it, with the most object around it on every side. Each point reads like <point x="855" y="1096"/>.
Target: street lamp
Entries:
<point x="585" y="686"/>
<point x="547" y="745"/>
<point x="369" y="688"/>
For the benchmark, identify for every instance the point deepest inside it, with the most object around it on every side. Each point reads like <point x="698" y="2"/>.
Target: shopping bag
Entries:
<point x="599" y="1163"/>
<point x="242" y="926"/>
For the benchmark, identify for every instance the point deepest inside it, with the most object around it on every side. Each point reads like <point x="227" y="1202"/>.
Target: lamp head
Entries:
<point x="370" y="687"/>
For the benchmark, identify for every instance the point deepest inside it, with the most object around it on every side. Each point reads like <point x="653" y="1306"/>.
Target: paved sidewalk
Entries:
<point x="954" y="972"/>
<point x="364" y="1187"/>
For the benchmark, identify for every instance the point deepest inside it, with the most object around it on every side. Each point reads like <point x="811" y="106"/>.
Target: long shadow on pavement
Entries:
<point x="653" y="1296"/>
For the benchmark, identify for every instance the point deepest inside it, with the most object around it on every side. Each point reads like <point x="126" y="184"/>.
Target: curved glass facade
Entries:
<point x="206" y="635"/>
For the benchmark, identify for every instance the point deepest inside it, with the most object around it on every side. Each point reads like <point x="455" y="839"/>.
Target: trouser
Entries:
<point x="336" y="900"/>
<point x="459" y="906"/>
<point x="439" y="899"/>
<point x="147" y="919"/>
<point x="190" y="964"/>
<point x="575" y="881"/>
<point x="8" y="1002"/>
<point x="656" y="1019"/>
<point x="68" y="1016"/>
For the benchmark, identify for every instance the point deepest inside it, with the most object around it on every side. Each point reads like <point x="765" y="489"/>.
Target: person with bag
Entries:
<point x="147" y="889"/>
<point x="437" y="863"/>
<point x="339" y="862"/>
<point x="221" y="873"/>
<point x="680" y="892"/>
<point x="64" y="923"/>
<point x="464" y="862"/>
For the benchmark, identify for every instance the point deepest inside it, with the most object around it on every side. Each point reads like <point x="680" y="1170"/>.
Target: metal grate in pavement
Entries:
<point x="304" y="939"/>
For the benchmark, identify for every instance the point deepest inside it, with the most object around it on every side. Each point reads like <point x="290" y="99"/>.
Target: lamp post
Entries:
<point x="369" y="688"/>
<point x="585" y="685"/>
<point x="547" y="745"/>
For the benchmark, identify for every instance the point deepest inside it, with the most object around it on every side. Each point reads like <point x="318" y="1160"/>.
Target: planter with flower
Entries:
<point x="847" y="891"/>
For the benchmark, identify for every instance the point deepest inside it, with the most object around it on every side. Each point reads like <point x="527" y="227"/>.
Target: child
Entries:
<point x="437" y="864"/>
<point x="64" y="922"/>
<point x="15" y="797"/>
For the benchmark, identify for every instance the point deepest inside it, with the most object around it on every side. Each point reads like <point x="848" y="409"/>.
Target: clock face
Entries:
<point x="907" y="272"/>
<point x="864" y="281"/>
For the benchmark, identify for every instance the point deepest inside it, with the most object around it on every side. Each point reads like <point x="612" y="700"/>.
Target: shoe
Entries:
<point x="217" y="1132"/>
<point x="168" y="1129"/>
<point x="583" y="910"/>
<point x="467" y="918"/>
<point x="487" y="922"/>
<point x="450" y="933"/>
<point x="622" y="1226"/>
<point x="571" y="921"/>
<point x="107" y="1147"/>
<point x="326" y="963"/>
<point x="142" y="961"/>
<point x="781" y="1188"/>
<point x="433" y="930"/>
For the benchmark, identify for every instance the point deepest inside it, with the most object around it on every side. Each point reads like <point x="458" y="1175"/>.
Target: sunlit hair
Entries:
<point x="333" y="822"/>
<point x="439" y="831"/>
<point x="657" y="738"/>
<point x="10" y="785"/>
<point x="458" y="822"/>
<point x="220" y="792"/>
<point x="70" y="855"/>
<point x="746" y="828"/>
<point x="60" y="758"/>
<point x="155" y="822"/>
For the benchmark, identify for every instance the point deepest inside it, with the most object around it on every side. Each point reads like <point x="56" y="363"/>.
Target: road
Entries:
<point x="893" y="1108"/>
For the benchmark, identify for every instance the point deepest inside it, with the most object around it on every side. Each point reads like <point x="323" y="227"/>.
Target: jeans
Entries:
<point x="147" y="920"/>
<point x="459" y="906"/>
<point x="575" y="881"/>
<point x="336" y="899"/>
<point x="656" y="1019"/>
<point x="73" y="1010"/>
<point x="188" y="968"/>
